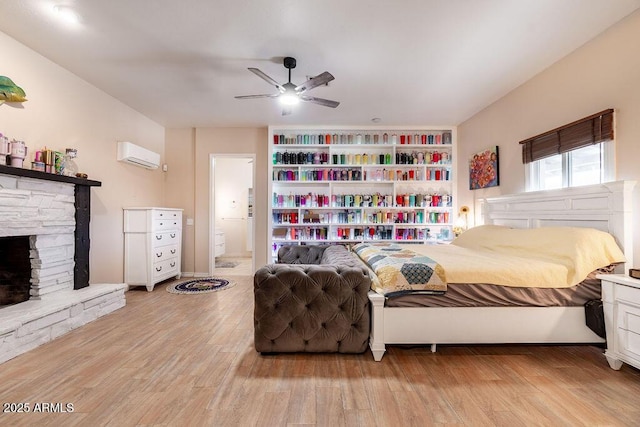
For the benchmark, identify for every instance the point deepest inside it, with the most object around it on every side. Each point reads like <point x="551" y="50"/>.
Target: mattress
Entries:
<point x="486" y="295"/>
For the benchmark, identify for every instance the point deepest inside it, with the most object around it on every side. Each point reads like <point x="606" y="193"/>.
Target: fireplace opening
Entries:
<point x="15" y="270"/>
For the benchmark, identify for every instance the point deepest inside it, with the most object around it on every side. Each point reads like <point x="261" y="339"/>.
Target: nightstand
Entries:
<point x="621" y="303"/>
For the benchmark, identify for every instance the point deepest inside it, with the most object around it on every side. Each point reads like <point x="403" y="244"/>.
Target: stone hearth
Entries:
<point x="53" y="212"/>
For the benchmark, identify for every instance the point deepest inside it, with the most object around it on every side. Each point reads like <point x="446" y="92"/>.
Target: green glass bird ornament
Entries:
<point x="10" y="92"/>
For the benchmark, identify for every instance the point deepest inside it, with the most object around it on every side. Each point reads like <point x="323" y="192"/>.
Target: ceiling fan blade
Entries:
<point x="316" y="81"/>
<point x="320" y="101"/>
<point x="266" y="78"/>
<point x="286" y="111"/>
<point x="257" y="96"/>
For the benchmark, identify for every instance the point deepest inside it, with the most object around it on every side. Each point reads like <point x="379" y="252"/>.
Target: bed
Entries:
<point x="605" y="207"/>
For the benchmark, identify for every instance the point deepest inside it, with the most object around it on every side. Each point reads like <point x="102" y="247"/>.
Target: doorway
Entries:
<point x="231" y="227"/>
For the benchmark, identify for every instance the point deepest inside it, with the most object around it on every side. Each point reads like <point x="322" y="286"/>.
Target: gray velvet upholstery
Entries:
<point x="338" y="255"/>
<point x="295" y="254"/>
<point x="313" y="307"/>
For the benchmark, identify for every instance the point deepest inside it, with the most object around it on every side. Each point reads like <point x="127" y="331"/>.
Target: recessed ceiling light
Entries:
<point x="66" y="14"/>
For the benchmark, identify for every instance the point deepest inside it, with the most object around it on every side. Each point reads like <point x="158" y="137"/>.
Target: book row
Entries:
<point x="324" y="158"/>
<point x="315" y="200"/>
<point x="357" y="174"/>
<point x="358" y="217"/>
<point x="354" y="233"/>
<point x="424" y="138"/>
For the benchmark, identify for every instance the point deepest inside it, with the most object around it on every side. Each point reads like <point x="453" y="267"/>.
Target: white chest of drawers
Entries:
<point x="152" y="245"/>
<point x="621" y="303"/>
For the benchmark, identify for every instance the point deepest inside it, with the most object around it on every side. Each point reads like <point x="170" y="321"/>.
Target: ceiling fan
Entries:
<point x="290" y="94"/>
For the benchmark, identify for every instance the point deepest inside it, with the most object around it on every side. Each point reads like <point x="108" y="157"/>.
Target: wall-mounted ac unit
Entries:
<point x="136" y="155"/>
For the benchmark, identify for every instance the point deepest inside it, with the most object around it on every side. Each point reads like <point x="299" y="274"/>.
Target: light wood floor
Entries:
<point x="243" y="267"/>
<point x="188" y="360"/>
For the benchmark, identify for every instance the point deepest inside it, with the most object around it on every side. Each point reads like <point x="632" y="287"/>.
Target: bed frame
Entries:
<point x="605" y="207"/>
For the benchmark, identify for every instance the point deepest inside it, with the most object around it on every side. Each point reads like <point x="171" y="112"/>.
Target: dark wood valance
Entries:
<point x="587" y="131"/>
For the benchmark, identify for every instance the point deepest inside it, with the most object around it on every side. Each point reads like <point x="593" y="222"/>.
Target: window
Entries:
<point x="584" y="166"/>
<point x="580" y="153"/>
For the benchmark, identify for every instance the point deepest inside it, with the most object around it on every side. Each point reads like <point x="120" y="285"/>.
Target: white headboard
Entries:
<point x="605" y="207"/>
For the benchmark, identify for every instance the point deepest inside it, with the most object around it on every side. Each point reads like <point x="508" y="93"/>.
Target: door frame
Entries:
<point x="212" y="208"/>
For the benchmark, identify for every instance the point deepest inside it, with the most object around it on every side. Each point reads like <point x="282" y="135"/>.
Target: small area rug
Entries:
<point x="226" y="264"/>
<point x="200" y="286"/>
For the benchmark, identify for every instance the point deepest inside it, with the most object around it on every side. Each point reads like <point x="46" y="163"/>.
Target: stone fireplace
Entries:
<point x="48" y="217"/>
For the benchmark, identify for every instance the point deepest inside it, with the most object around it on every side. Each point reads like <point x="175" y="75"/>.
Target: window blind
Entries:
<point x="590" y="130"/>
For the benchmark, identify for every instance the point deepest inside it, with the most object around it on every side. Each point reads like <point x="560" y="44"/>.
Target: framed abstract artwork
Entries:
<point x="483" y="169"/>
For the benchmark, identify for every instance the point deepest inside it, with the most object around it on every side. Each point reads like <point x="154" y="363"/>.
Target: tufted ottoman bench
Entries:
<point x="312" y="307"/>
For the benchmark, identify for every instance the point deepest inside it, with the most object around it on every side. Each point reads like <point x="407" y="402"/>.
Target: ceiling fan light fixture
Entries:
<point x="289" y="99"/>
<point x="290" y="94"/>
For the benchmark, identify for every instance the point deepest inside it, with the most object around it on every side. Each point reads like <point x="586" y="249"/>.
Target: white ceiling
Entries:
<point x="407" y="62"/>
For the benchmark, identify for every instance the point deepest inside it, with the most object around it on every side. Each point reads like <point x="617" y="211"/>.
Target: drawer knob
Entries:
<point x="161" y="224"/>
<point x="159" y="269"/>
<point x="173" y="264"/>
<point x="158" y="236"/>
<point x="173" y="235"/>
<point x="173" y="251"/>
<point x="158" y="254"/>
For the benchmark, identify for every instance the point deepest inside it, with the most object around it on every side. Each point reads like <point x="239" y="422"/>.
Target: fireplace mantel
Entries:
<point x="28" y="173"/>
<point x="82" y="216"/>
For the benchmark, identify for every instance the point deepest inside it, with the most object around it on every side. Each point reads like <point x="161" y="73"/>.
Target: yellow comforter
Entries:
<point x="547" y="257"/>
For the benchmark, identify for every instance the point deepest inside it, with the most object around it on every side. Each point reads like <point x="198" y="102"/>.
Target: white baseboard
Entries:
<point x="193" y="274"/>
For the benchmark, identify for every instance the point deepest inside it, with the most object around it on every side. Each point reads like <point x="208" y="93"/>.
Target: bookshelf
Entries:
<point x="354" y="184"/>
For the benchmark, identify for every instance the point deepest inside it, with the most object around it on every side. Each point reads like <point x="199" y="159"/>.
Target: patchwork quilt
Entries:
<point x="400" y="270"/>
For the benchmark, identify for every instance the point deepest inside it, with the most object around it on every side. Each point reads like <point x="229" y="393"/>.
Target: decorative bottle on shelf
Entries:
<point x="18" y="153"/>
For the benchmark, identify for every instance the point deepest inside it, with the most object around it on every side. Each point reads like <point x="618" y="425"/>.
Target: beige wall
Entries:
<point x="179" y="187"/>
<point x="194" y="173"/>
<point x="602" y="74"/>
<point x="65" y="111"/>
